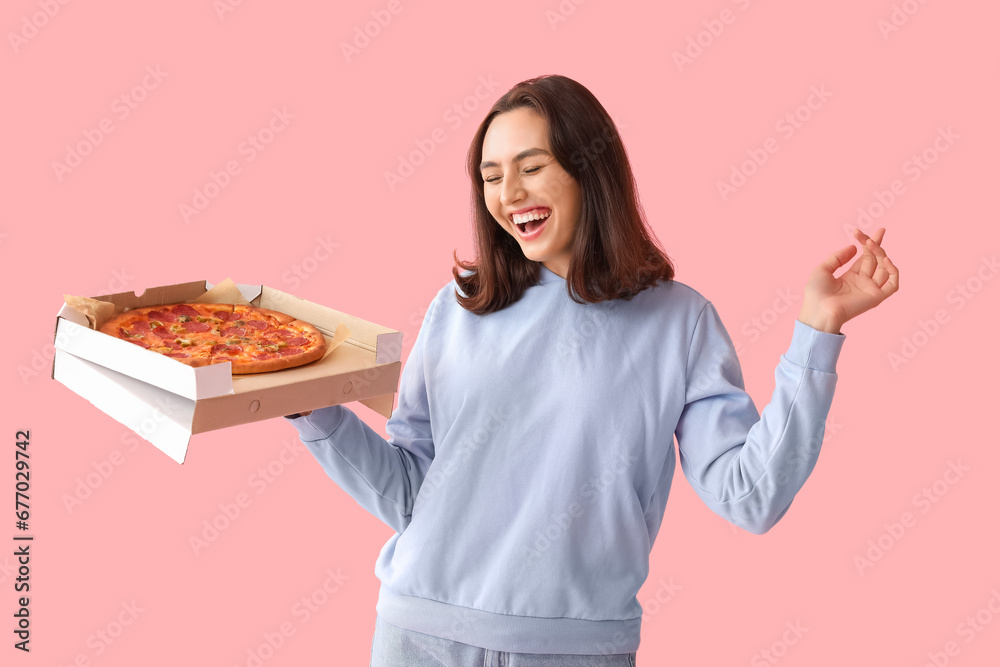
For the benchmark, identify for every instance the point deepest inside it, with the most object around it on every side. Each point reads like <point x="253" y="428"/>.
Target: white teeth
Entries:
<point x="528" y="217"/>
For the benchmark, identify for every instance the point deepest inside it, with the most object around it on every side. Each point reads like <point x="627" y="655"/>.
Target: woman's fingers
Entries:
<point x="837" y="259"/>
<point x="886" y="277"/>
<point x="861" y="262"/>
<point x="867" y="264"/>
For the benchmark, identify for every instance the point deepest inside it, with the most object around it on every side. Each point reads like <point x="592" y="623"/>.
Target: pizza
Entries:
<point x="254" y="340"/>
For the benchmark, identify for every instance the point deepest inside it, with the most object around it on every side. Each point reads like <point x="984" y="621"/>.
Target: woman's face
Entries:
<point x="522" y="177"/>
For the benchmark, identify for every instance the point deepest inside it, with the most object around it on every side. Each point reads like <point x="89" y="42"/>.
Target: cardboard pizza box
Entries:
<point x="166" y="402"/>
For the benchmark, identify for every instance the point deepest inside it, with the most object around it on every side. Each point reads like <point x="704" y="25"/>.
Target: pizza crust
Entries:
<point x="280" y="363"/>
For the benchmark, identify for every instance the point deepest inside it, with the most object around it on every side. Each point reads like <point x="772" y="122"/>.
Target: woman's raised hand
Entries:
<point x="828" y="302"/>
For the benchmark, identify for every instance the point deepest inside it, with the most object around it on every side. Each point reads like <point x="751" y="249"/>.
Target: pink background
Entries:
<point x="312" y="214"/>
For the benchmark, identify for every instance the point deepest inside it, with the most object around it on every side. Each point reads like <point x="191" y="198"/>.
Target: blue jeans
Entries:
<point x="395" y="647"/>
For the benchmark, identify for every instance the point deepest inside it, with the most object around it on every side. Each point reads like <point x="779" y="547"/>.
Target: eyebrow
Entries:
<point x="517" y="158"/>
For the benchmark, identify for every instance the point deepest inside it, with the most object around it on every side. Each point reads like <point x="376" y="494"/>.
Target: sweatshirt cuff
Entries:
<point x="814" y="349"/>
<point x="320" y="424"/>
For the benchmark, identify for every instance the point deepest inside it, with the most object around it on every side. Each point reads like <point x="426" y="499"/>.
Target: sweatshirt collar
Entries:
<point x="547" y="276"/>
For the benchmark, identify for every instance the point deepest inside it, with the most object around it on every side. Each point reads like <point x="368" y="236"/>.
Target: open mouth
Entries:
<point x="533" y="224"/>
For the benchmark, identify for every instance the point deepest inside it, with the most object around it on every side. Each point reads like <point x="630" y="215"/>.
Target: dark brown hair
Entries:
<point x="613" y="253"/>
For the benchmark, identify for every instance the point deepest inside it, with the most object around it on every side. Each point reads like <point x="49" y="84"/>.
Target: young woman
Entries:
<point x="531" y="454"/>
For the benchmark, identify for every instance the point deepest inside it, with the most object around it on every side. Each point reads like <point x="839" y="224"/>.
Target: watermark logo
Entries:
<point x="713" y="28"/>
<point x="968" y="629"/>
<point x="30" y="25"/>
<point x="122" y="107"/>
<point x="308" y="265"/>
<point x="915" y="166"/>
<point x="779" y="648"/>
<point x="924" y="500"/>
<point x="453" y="116"/>
<point x="786" y="126"/>
<point x="249" y="148"/>
<point x="363" y="35"/>
<point x="898" y="17"/>
<point x="562" y="12"/>
<point x="927" y="329"/>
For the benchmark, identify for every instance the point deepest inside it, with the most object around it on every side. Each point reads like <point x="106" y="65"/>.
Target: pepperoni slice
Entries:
<point x="171" y="344"/>
<point x="231" y="349"/>
<point x="289" y="350"/>
<point x="264" y="355"/>
<point x="164" y="332"/>
<point x="257" y="324"/>
<point x="282" y="333"/>
<point x="296" y="341"/>
<point x="138" y="342"/>
<point x="185" y="309"/>
<point x="140" y="325"/>
<point x="177" y="355"/>
<point x="161" y="316"/>
<point x="196" y="327"/>
<point x="222" y="315"/>
<point x="234" y="331"/>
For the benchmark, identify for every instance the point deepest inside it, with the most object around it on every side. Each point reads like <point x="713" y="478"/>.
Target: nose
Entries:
<point x="511" y="191"/>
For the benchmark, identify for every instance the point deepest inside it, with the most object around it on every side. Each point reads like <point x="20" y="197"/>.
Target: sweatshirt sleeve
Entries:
<point x="748" y="466"/>
<point x="383" y="476"/>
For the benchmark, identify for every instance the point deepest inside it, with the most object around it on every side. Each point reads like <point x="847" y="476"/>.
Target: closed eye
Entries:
<point x="527" y="171"/>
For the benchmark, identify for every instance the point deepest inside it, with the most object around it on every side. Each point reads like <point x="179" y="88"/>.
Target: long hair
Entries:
<point x="613" y="253"/>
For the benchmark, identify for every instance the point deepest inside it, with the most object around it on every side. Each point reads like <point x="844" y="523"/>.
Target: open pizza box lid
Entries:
<point x="166" y="402"/>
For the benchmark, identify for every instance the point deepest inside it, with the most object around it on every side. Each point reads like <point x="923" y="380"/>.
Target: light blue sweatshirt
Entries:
<point x="531" y="454"/>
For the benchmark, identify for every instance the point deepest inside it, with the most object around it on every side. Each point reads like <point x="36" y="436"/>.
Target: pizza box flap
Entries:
<point x="168" y="421"/>
<point x="157" y="415"/>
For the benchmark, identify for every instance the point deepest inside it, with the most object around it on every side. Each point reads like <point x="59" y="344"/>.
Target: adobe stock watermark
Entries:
<point x="88" y="483"/>
<point x="302" y="610"/>
<point x="923" y="501"/>
<point x="8" y="569"/>
<point x="597" y="318"/>
<point x="783" y="475"/>
<point x="248" y="149"/>
<point x="364" y="35"/>
<point x="665" y="593"/>
<point x="559" y="523"/>
<point x="230" y="511"/>
<point x="592" y="151"/>
<point x="967" y="629"/>
<point x="796" y="459"/>
<point x="301" y="270"/>
<point x="620" y="641"/>
<point x="713" y="28"/>
<point x="224" y="7"/>
<point x="105" y="636"/>
<point x="914" y="167"/>
<point x="453" y="117"/>
<point x="41" y="358"/>
<point x="925" y="331"/>
<point x="562" y="12"/>
<point x="898" y="17"/>
<point x="779" y="647"/>
<point x="759" y="324"/>
<point x="790" y="123"/>
<point x="495" y="418"/>
<point x="121" y="108"/>
<point x="32" y="23"/>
